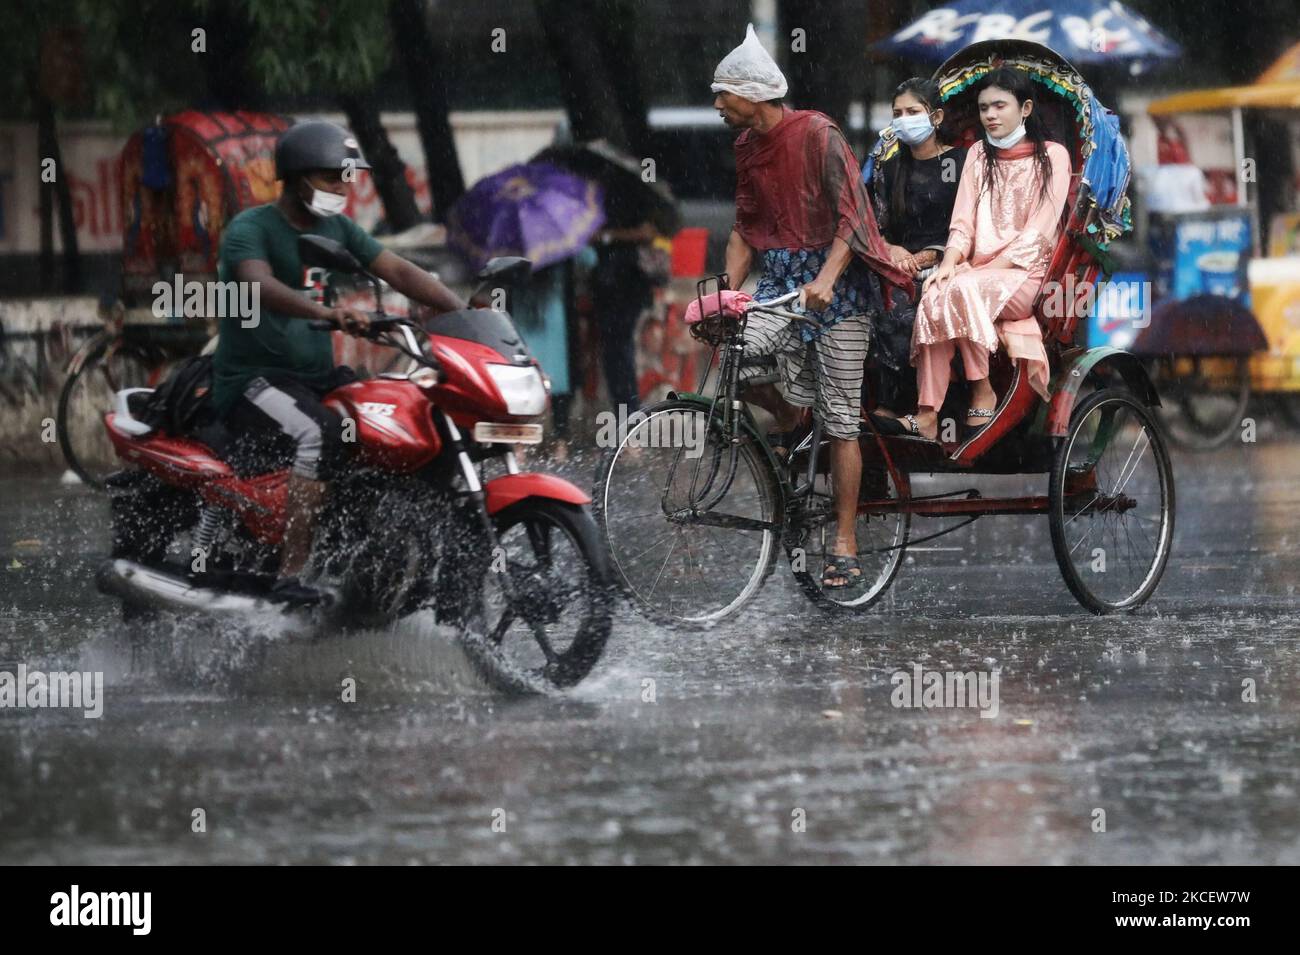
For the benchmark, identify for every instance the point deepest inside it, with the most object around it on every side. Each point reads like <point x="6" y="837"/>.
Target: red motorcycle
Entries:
<point x="513" y="560"/>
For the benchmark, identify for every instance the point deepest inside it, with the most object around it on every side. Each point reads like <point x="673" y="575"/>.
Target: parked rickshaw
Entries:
<point x="183" y="178"/>
<point x="695" y="504"/>
<point x="1226" y="318"/>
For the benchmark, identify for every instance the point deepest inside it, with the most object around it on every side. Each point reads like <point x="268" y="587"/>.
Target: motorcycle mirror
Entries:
<point x="326" y="253"/>
<point x="506" y="270"/>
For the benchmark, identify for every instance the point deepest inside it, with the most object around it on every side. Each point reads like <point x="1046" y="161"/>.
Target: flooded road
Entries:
<point x="773" y="739"/>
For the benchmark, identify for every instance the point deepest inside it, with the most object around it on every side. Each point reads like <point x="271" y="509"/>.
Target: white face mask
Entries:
<point x="913" y="130"/>
<point x="1010" y="139"/>
<point x="326" y="204"/>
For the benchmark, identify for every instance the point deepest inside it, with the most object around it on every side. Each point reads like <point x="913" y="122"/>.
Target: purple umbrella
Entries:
<point x="535" y="210"/>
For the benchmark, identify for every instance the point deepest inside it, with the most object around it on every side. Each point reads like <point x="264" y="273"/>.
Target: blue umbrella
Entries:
<point x="1083" y="31"/>
<point x="535" y="210"/>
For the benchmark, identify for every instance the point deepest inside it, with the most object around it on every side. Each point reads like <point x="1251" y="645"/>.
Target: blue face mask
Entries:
<point x="913" y="130"/>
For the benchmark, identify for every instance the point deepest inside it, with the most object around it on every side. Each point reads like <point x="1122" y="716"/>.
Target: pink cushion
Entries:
<point x="732" y="305"/>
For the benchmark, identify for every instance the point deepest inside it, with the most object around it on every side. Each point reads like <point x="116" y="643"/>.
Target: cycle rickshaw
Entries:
<point x="1226" y="322"/>
<point x="694" y="503"/>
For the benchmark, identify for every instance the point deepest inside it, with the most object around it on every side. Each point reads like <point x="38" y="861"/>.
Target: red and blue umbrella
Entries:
<point x="535" y="210"/>
<point x="1085" y="32"/>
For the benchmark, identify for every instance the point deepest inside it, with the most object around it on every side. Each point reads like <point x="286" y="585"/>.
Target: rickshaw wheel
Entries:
<point x="1289" y="403"/>
<point x="882" y="543"/>
<point x="1111" y="503"/>
<point x="680" y="573"/>
<point x="109" y="366"/>
<point x="1210" y="412"/>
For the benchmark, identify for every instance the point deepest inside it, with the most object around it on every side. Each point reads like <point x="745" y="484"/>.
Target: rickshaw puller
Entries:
<point x="801" y="203"/>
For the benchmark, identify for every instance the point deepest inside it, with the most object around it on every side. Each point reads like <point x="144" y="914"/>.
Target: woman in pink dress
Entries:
<point x="1004" y="227"/>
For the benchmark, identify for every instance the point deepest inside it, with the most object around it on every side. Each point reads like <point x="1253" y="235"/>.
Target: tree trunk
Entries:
<point x="571" y="30"/>
<point x="47" y="141"/>
<point x="423" y="67"/>
<point x="230" y="83"/>
<point x="617" y="28"/>
<point x="832" y="68"/>
<point x="386" y="166"/>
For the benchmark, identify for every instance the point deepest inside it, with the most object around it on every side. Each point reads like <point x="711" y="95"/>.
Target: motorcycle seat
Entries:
<point x="124" y="402"/>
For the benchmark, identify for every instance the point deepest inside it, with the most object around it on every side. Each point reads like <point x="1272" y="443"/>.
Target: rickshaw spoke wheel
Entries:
<point x="676" y="568"/>
<point x="85" y="398"/>
<point x="1205" y="406"/>
<point x="882" y="540"/>
<point x="1112" y="532"/>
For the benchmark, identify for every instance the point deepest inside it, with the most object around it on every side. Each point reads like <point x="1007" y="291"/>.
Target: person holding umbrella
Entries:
<point x="621" y="291"/>
<point x="638" y="209"/>
<point x="803" y="214"/>
<point x="547" y="215"/>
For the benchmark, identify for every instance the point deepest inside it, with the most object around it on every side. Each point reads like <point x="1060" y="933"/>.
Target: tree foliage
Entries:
<point x="305" y="45"/>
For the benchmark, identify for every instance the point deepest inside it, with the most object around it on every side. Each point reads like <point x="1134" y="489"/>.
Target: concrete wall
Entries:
<point x="39" y="336"/>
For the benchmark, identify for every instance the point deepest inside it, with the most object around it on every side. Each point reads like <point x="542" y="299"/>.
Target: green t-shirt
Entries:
<point x="277" y="344"/>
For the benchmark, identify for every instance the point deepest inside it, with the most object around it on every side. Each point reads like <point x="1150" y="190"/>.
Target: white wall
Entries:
<point x="486" y="142"/>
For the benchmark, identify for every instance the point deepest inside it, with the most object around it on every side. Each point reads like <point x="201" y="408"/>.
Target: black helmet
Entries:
<point x="316" y="144"/>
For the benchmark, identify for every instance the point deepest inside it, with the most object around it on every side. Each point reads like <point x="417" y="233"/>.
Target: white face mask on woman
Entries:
<point x="1010" y="139"/>
<point x="913" y="130"/>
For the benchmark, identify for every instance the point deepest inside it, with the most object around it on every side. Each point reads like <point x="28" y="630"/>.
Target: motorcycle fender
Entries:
<point x="512" y="488"/>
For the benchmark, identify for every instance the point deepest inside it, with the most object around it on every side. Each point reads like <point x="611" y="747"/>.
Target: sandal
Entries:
<point x="841" y="567"/>
<point x="905" y="427"/>
<point x="970" y="430"/>
<point x="783" y="441"/>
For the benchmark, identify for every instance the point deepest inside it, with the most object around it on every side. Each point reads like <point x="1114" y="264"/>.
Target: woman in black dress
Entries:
<point x="913" y="192"/>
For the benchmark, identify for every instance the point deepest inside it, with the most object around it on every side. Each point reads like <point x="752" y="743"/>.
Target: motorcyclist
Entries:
<point x="270" y="373"/>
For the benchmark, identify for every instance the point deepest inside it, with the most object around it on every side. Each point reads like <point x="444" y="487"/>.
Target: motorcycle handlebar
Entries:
<point x="377" y="324"/>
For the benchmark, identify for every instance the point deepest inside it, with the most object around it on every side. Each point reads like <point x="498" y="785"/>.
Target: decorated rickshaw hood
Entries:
<point x="1106" y="169"/>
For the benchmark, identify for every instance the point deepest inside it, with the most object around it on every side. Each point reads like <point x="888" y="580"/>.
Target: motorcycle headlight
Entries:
<point x="521" y="387"/>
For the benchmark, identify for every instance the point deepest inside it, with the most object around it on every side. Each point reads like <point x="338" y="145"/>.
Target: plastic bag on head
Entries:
<point x="750" y="72"/>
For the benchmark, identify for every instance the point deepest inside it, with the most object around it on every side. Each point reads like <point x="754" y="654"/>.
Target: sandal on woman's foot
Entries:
<point x="984" y="414"/>
<point x="890" y="426"/>
<point x="842" y="568"/>
<point x="909" y="428"/>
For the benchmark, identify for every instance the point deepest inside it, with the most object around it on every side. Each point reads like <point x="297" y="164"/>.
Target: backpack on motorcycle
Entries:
<point x="181" y="403"/>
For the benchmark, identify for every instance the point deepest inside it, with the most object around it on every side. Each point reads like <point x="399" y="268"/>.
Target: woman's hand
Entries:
<point x="939" y="278"/>
<point x="904" y="260"/>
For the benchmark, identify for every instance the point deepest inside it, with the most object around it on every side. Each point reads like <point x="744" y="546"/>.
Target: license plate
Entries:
<point x="490" y="432"/>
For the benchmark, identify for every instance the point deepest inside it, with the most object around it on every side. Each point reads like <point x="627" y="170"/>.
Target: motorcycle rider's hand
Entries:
<point x="350" y="320"/>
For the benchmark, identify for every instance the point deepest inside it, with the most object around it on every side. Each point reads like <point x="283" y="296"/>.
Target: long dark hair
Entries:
<point x="1018" y="85"/>
<point x="927" y="92"/>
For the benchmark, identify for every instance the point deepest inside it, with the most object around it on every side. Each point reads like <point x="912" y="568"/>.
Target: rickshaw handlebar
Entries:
<point x="771" y="307"/>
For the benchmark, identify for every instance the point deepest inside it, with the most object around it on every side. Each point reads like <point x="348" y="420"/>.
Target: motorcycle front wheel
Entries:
<point x="537" y="613"/>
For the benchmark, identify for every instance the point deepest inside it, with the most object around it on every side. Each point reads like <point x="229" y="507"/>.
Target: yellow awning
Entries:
<point x="1277" y="88"/>
<point x="1285" y="70"/>
<point x="1257" y="96"/>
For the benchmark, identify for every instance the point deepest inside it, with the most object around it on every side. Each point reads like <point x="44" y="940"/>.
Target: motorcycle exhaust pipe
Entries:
<point x="161" y="590"/>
